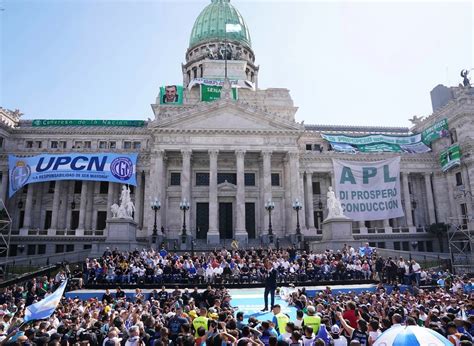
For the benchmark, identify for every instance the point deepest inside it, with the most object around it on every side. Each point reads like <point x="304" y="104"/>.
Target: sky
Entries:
<point x="345" y="63"/>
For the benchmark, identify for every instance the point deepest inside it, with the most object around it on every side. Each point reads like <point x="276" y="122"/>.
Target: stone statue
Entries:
<point x="466" y="82"/>
<point x="126" y="208"/>
<point x="416" y="120"/>
<point x="211" y="54"/>
<point x="334" y="205"/>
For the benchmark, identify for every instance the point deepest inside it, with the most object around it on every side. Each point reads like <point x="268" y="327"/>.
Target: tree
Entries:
<point x="439" y="230"/>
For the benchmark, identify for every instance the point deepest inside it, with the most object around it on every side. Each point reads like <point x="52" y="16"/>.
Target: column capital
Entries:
<point x="293" y="155"/>
<point x="160" y="153"/>
<point x="186" y="153"/>
<point x="267" y="154"/>
<point x="309" y="173"/>
<point x="240" y="153"/>
<point x="213" y="153"/>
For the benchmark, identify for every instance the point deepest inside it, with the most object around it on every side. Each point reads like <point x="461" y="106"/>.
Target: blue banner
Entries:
<point x="116" y="168"/>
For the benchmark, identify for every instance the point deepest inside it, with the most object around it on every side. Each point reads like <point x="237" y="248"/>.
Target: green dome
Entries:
<point x="211" y="22"/>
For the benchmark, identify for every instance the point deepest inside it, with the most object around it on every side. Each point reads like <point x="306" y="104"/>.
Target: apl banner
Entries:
<point x="116" y="168"/>
<point x="369" y="190"/>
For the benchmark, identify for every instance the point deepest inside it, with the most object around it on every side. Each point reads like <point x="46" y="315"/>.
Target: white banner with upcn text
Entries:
<point x="369" y="190"/>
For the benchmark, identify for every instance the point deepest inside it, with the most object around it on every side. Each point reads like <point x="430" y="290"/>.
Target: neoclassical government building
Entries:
<point x="228" y="157"/>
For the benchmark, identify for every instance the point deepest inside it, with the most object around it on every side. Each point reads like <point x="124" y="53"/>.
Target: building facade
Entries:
<point x="228" y="158"/>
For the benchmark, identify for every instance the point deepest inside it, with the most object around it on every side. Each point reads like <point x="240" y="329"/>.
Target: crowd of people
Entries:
<point x="246" y="266"/>
<point x="193" y="317"/>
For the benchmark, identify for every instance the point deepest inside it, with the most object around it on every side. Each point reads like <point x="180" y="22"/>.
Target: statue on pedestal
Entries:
<point x="334" y="205"/>
<point x="126" y="208"/>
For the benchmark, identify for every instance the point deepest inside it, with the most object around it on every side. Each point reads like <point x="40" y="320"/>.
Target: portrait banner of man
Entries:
<point x="171" y="94"/>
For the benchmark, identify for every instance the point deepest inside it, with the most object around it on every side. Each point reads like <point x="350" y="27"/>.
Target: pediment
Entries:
<point x="226" y="186"/>
<point x="228" y="115"/>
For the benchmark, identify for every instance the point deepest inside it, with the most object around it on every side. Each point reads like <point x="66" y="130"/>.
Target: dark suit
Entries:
<point x="270" y="287"/>
<point x="176" y="99"/>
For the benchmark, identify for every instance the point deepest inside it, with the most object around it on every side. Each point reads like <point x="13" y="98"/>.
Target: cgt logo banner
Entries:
<point x="369" y="190"/>
<point x="116" y="168"/>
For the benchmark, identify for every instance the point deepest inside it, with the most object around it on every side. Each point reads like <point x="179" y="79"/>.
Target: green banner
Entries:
<point x="371" y="139"/>
<point x="450" y="157"/>
<point x="66" y="122"/>
<point x="171" y="95"/>
<point x="438" y="130"/>
<point x="213" y="92"/>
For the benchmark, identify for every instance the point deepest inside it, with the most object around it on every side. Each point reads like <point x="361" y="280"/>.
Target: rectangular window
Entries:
<point x="464" y="214"/>
<point x="77" y="186"/>
<point x="381" y="244"/>
<point x="13" y="250"/>
<point x="39" y="144"/>
<point x="22" y="219"/>
<point x="202" y="179"/>
<point x="229" y="177"/>
<point x="112" y="145"/>
<point x="52" y="185"/>
<point x="421" y="246"/>
<point x="367" y="224"/>
<point x="59" y="248"/>
<point x="317" y="147"/>
<point x="104" y="187"/>
<point x="74" y="219"/>
<point x="175" y="179"/>
<point x="396" y="245"/>
<point x="87" y="246"/>
<point x="275" y="179"/>
<point x="41" y="249"/>
<point x="390" y="222"/>
<point x="47" y="219"/>
<point x="70" y="248"/>
<point x="127" y="145"/>
<point x="309" y="147"/>
<point x="31" y="250"/>
<point x="63" y="144"/>
<point x="410" y="191"/>
<point x="372" y="244"/>
<point x="25" y="189"/>
<point x="137" y="145"/>
<point x="101" y="220"/>
<point x="405" y="246"/>
<point x="54" y="144"/>
<point x="316" y="188"/>
<point x="429" y="246"/>
<point x="1" y="142"/>
<point x="249" y="179"/>
<point x="87" y="144"/>
<point x="29" y="144"/>
<point x="78" y="144"/>
<point x="458" y="179"/>
<point x="102" y="144"/>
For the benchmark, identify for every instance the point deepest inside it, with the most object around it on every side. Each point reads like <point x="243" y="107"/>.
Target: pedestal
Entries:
<point x="336" y="233"/>
<point x="213" y="237"/>
<point x="242" y="237"/>
<point x="121" y="234"/>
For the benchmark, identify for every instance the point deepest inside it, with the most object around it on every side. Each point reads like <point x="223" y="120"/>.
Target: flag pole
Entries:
<point x="225" y="50"/>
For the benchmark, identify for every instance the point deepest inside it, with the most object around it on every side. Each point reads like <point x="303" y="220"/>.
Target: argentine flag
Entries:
<point x="45" y="308"/>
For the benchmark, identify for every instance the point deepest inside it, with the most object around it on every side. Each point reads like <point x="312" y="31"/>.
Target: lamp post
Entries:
<point x="155" y="206"/>
<point x="297" y="206"/>
<point x="184" y="206"/>
<point x="269" y="206"/>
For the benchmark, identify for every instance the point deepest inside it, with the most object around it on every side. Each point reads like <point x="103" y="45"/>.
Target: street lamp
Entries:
<point x="269" y="206"/>
<point x="184" y="206"/>
<point x="155" y="206"/>
<point x="297" y="206"/>
<point x="414" y="244"/>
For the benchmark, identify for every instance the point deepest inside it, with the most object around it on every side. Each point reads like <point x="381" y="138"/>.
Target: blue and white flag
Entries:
<point x="45" y="308"/>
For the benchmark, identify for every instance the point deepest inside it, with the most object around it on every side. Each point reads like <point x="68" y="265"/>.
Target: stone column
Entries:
<point x="90" y="204"/>
<point x="213" y="236"/>
<point x="28" y="207"/>
<point x="56" y="200"/>
<point x="139" y="200"/>
<point x="83" y="204"/>
<point x="38" y="206"/>
<point x="267" y="186"/>
<point x="302" y="198"/>
<point x="64" y="205"/>
<point x="240" y="230"/>
<point x="295" y="193"/>
<point x="110" y="199"/>
<point x="429" y="199"/>
<point x="467" y="188"/>
<point x="4" y="189"/>
<point x="160" y="188"/>
<point x="186" y="182"/>
<point x="309" y="211"/>
<point x="407" y="199"/>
